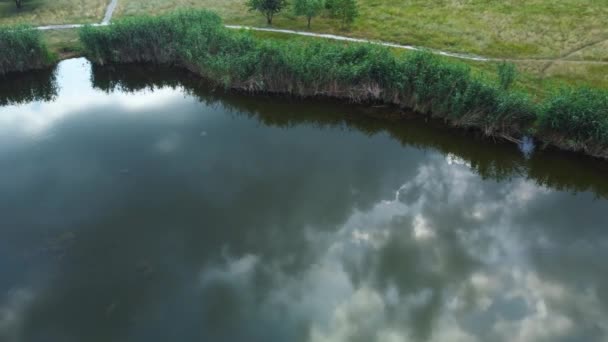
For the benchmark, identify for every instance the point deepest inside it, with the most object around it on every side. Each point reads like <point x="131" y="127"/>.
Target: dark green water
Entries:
<point x="138" y="205"/>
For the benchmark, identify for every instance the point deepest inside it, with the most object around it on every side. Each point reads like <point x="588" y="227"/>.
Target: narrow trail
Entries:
<point x="361" y="40"/>
<point x="109" y="12"/>
<point x="564" y="57"/>
<point x="470" y="57"/>
<point x="464" y="56"/>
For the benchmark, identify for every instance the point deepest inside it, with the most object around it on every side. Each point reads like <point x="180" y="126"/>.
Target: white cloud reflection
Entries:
<point x="499" y="296"/>
<point x="77" y="96"/>
<point x="448" y="258"/>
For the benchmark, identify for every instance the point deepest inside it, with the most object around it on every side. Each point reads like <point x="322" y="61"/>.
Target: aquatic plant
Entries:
<point x="579" y="116"/>
<point x="357" y="72"/>
<point x="22" y="48"/>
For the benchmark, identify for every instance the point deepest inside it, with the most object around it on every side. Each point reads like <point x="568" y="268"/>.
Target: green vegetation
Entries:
<point x="267" y="7"/>
<point x="526" y="32"/>
<point x="344" y="10"/>
<point x="507" y="72"/>
<point x="308" y="9"/>
<point x="22" y="49"/>
<point x="357" y="72"/>
<point x="63" y="43"/>
<point x="580" y="116"/>
<point x="504" y="29"/>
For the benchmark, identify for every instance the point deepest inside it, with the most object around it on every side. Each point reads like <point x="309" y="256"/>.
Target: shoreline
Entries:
<point x="571" y="119"/>
<point x="399" y="114"/>
<point x="539" y="142"/>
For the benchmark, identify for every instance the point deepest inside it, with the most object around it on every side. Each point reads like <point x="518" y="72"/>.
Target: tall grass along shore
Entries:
<point x="22" y="48"/>
<point x="573" y="119"/>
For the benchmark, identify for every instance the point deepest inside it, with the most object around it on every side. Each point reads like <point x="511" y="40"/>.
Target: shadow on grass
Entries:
<point x="9" y="9"/>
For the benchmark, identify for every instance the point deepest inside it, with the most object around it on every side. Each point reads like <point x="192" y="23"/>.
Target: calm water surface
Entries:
<point x="139" y="205"/>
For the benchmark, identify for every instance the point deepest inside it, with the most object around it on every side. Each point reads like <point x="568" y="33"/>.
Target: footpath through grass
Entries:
<point x="571" y="118"/>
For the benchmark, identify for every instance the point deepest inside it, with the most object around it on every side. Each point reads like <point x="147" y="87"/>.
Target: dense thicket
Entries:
<point x="357" y="72"/>
<point x="22" y="48"/>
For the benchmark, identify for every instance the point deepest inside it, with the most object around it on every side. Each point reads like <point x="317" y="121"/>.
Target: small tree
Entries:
<point x="19" y="3"/>
<point x="267" y="7"/>
<point x="345" y="10"/>
<point x="308" y="8"/>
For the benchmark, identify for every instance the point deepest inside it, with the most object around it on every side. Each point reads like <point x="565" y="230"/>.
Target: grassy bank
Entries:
<point x="573" y="119"/>
<point x="22" y="49"/>
<point x="508" y="28"/>
<point x="526" y="31"/>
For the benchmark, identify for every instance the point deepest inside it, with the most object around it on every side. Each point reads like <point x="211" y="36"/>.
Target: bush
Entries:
<point x="344" y="10"/>
<point x="21" y="49"/>
<point x="308" y="9"/>
<point x="580" y="115"/>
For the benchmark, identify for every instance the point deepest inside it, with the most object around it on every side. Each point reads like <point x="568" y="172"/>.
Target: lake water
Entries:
<point x="138" y="204"/>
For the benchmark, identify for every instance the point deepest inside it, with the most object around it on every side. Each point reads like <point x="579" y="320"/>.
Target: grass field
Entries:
<point x="498" y="28"/>
<point x="532" y="78"/>
<point x="526" y="31"/>
<point x="48" y="12"/>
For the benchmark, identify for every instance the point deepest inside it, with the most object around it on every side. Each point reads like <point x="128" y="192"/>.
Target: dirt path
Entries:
<point x="113" y="3"/>
<point x="438" y="52"/>
<point x="564" y="57"/>
<point x="360" y="40"/>
<point x="109" y="12"/>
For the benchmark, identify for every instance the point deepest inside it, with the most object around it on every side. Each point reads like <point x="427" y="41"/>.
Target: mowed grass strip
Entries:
<point x="51" y="12"/>
<point x="498" y="28"/>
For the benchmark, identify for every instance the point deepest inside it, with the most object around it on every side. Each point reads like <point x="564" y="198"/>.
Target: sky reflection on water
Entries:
<point x="172" y="214"/>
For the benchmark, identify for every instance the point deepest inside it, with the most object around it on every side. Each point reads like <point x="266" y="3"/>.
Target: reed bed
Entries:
<point x="22" y="48"/>
<point x="575" y="119"/>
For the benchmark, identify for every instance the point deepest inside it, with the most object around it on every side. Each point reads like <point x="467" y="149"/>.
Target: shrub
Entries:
<point x="22" y="48"/>
<point x="580" y="115"/>
<point x="344" y="10"/>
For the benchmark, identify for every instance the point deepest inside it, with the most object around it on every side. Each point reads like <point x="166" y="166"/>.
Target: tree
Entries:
<point x="308" y="8"/>
<point x="19" y="3"/>
<point x="267" y="7"/>
<point x="345" y="10"/>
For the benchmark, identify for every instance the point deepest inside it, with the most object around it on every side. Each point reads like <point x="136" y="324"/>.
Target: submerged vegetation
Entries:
<point x="571" y="118"/>
<point x="22" y="48"/>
